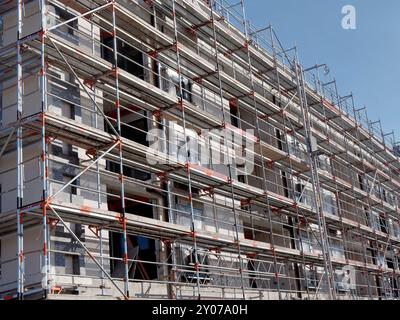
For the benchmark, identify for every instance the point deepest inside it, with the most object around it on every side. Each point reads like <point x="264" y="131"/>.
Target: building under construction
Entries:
<point x="103" y="195"/>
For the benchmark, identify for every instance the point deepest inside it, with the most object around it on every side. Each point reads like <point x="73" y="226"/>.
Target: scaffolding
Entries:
<point x="315" y="217"/>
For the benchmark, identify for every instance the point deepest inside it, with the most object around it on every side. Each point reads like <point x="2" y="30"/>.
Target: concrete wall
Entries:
<point x="31" y="98"/>
<point x="32" y="177"/>
<point x="33" y="249"/>
<point x="31" y="22"/>
<point x="31" y="80"/>
<point x="66" y="99"/>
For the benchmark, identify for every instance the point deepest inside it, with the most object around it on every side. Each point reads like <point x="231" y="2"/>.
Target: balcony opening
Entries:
<point x="129" y="59"/>
<point x="383" y="225"/>
<point x="234" y="112"/>
<point x="299" y="192"/>
<point x="361" y="182"/>
<point x="171" y="83"/>
<point x="140" y="248"/>
<point x="279" y="139"/>
<point x="135" y="130"/>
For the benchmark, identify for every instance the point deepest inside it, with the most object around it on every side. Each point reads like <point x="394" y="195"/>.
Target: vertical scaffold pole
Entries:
<point x="314" y="179"/>
<point x="179" y="72"/>
<point x="43" y="82"/>
<point x="20" y="176"/>
<point x="121" y="162"/>
<point x="258" y="135"/>
<point x="221" y="95"/>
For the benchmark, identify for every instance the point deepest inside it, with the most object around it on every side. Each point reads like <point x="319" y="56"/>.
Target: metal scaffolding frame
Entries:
<point x="284" y="237"/>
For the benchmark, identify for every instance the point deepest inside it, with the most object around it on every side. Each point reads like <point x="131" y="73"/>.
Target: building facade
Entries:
<point x="169" y="149"/>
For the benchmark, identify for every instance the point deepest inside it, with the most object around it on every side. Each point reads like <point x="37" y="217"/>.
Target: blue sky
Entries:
<point x="365" y="61"/>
